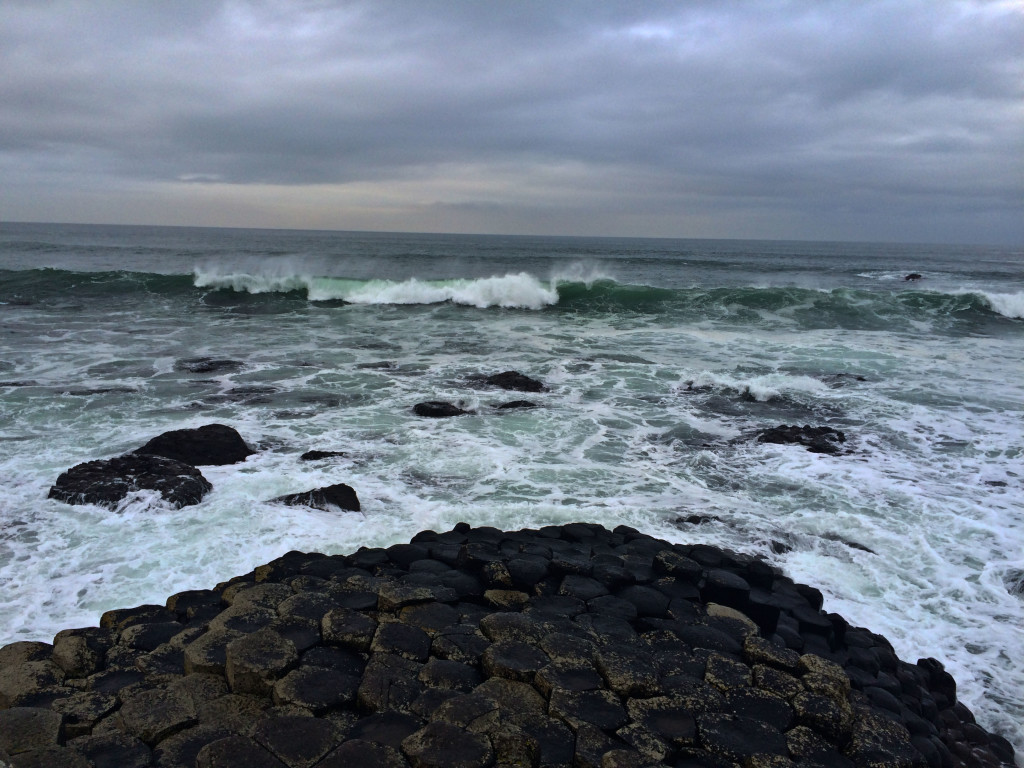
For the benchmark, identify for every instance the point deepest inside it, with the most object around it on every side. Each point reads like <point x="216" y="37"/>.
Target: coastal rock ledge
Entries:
<point x="566" y="646"/>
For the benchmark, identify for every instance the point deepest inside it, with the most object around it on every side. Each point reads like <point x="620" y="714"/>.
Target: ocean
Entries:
<point x="663" y="359"/>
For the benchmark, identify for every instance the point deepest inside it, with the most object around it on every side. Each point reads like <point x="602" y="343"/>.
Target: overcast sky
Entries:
<point x="854" y="120"/>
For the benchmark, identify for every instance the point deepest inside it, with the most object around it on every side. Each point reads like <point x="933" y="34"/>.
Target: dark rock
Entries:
<point x="233" y="751"/>
<point x="628" y="673"/>
<point x="666" y="716"/>
<point x="512" y="380"/>
<point x="48" y="757"/>
<point x="298" y="742"/>
<point x="737" y="737"/>
<point x="207" y="365"/>
<point x="80" y="652"/>
<point x="338" y="661"/>
<point x="389" y="682"/>
<point x="851" y="544"/>
<point x="513" y="660"/>
<point x="255" y="662"/>
<point x="437" y="409"/>
<point x="452" y="675"/>
<point x="339" y="496"/>
<point x="106" y="482"/>
<point x="153" y="715"/>
<point x="582" y="587"/>
<point x="913" y="276"/>
<point x="364" y="754"/>
<point x="599" y="708"/>
<point x="29" y="683"/>
<point x="516" y="405"/>
<point x="183" y="748"/>
<point x="113" y="750"/>
<point x="208" y="445"/>
<point x="815" y="439"/>
<point x="401" y="640"/>
<point x="27" y="728"/>
<point x="317" y="455"/>
<point x="83" y="710"/>
<point x="442" y="745"/>
<point x="316" y="689"/>
<point x="386" y="728"/>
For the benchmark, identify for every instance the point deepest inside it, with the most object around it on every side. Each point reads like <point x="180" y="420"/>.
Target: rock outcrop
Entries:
<point x="332" y="496"/>
<point x="815" y="439"/>
<point x="564" y="646"/>
<point x="212" y="444"/>
<point x="512" y="380"/>
<point x="107" y="482"/>
<point x="438" y="409"/>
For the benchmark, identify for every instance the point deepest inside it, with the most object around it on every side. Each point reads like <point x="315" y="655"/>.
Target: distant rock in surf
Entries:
<point x="317" y="455"/>
<point x="836" y="380"/>
<point x="515" y="404"/>
<point x="207" y="365"/>
<point x="914" y="276"/>
<point x="338" y="495"/>
<point x="438" y="409"/>
<point x="512" y="380"/>
<point x="815" y="439"/>
<point x="212" y="444"/>
<point x="107" y="481"/>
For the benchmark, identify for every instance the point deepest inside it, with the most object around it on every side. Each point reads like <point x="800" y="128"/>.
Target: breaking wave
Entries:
<point x="510" y="291"/>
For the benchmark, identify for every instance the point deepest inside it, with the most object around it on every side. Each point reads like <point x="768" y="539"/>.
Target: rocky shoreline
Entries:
<point x="566" y="646"/>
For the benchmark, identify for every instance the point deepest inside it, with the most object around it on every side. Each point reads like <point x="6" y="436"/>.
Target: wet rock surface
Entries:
<point x="108" y="481"/>
<point x="511" y="380"/>
<point x="338" y="495"/>
<point x="815" y="439"/>
<point x="437" y="409"/>
<point x="207" y="445"/>
<point x="565" y="646"/>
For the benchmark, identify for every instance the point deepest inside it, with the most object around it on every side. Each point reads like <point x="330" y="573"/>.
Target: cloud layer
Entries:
<point x="874" y="121"/>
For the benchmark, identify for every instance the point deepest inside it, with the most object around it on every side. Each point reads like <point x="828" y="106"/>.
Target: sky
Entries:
<point x="785" y="119"/>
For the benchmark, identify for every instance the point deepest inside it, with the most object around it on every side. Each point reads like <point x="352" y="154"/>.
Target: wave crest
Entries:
<point x="1006" y="304"/>
<point x="512" y="291"/>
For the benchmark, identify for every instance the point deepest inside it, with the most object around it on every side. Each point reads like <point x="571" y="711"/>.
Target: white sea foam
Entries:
<point x="520" y="290"/>
<point x="1006" y="304"/>
<point x="761" y="388"/>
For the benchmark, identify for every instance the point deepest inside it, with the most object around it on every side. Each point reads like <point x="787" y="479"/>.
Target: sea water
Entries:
<point x="662" y="358"/>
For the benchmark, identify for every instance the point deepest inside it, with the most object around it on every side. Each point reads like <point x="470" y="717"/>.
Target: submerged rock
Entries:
<point x="914" y="276"/>
<point x="107" y="481"/>
<point x="515" y="405"/>
<point x="208" y="445"/>
<point x="207" y="365"/>
<point x="815" y="439"/>
<point x="512" y="380"/>
<point x="338" y="495"/>
<point x="317" y="455"/>
<point x="438" y="409"/>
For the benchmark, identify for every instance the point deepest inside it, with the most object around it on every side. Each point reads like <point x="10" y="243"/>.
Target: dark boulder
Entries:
<point x="815" y="439"/>
<point x="108" y="481"/>
<point x="317" y="455"/>
<point x="207" y="365"/>
<point x="437" y="409"/>
<point x="515" y="404"/>
<point x="207" y="445"/>
<point x="513" y="380"/>
<point x="914" y="276"/>
<point x="338" y="495"/>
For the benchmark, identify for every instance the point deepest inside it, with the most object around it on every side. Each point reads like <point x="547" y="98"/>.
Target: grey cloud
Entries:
<point x="712" y="104"/>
